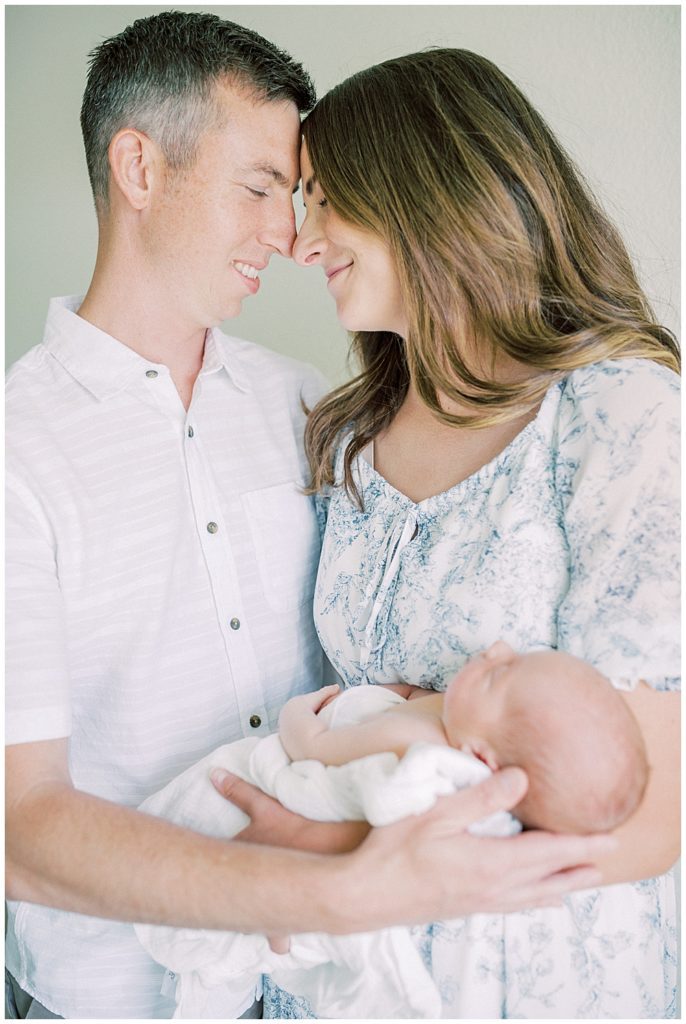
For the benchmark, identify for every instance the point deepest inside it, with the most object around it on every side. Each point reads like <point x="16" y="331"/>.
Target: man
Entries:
<point x="162" y="555"/>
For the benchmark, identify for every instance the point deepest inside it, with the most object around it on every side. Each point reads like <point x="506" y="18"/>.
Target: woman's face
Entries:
<point x="358" y="265"/>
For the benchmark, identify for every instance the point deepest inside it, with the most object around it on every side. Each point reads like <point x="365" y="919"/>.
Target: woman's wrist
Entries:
<point x="333" y="837"/>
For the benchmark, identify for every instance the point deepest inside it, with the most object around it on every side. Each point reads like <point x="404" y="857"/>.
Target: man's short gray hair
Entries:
<point x="159" y="77"/>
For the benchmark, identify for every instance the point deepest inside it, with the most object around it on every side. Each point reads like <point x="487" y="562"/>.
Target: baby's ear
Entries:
<point x="484" y="752"/>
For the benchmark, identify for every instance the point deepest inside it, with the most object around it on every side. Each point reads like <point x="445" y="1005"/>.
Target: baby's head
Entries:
<point x="563" y="723"/>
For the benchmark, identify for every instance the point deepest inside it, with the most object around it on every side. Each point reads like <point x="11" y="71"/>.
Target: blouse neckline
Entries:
<point x="366" y="465"/>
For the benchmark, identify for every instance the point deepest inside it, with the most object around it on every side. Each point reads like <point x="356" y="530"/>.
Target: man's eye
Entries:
<point x="256" y="192"/>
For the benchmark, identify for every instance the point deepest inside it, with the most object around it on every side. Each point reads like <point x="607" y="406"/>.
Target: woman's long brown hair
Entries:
<point x="499" y="246"/>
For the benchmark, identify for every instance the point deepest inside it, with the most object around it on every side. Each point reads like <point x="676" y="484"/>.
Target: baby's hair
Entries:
<point x="583" y="753"/>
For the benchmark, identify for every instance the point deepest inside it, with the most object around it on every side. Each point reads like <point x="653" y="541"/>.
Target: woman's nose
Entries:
<point x="309" y="245"/>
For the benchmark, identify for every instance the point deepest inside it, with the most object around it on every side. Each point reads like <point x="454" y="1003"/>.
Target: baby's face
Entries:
<point x="476" y="701"/>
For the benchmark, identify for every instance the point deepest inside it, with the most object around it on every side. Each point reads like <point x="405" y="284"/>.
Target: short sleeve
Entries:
<point x="36" y="670"/>
<point x="617" y="478"/>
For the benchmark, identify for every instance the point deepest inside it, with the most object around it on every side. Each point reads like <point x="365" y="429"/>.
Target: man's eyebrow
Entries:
<point x="278" y="176"/>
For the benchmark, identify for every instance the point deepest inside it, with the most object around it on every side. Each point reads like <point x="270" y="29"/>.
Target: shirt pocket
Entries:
<point x="285" y="534"/>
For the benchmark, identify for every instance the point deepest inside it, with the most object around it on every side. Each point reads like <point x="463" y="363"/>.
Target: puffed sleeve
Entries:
<point x="36" y="670"/>
<point x="617" y="477"/>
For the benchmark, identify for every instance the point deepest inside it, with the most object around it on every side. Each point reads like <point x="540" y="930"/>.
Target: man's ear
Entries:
<point x="134" y="160"/>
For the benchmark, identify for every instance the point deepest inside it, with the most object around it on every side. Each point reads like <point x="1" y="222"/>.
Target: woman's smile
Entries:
<point x="336" y="271"/>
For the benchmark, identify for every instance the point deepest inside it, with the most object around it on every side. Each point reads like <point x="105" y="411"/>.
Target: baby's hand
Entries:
<point x="299" y="727"/>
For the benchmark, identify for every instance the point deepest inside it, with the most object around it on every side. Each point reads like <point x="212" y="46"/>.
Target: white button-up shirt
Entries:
<point x="159" y="593"/>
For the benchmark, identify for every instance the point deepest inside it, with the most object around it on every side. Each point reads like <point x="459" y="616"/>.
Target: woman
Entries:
<point x="504" y="466"/>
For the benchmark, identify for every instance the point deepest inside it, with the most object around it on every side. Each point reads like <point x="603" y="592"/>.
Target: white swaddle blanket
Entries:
<point x="367" y="975"/>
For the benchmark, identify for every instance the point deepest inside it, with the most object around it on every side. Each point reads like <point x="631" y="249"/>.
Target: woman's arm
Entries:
<point x="618" y="481"/>
<point x="649" y="840"/>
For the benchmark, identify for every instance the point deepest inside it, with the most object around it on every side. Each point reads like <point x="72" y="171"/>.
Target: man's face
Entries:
<point x="213" y="227"/>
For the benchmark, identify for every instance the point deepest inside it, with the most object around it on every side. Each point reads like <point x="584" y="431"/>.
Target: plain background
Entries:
<point x="606" y="78"/>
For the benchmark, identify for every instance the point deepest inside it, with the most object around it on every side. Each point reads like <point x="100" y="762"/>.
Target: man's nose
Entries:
<point x="279" y="232"/>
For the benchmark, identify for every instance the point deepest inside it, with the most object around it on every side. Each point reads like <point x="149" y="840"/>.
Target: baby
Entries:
<point x="371" y="753"/>
<point x="547" y="712"/>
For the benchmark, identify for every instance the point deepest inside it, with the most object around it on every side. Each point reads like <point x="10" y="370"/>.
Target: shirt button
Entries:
<point x="235" y="623"/>
<point x="190" y="431"/>
<point x="255" y="721"/>
<point x="212" y="527"/>
<point x="151" y="373"/>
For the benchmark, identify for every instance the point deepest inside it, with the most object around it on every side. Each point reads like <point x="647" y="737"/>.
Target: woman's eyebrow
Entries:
<point x="309" y="185"/>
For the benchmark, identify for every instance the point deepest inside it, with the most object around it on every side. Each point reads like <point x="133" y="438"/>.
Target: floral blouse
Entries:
<point x="568" y="539"/>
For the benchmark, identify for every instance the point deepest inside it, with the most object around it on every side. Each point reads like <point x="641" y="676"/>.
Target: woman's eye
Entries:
<point x="321" y="203"/>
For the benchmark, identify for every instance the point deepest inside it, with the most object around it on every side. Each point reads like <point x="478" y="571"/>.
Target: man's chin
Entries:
<point x="230" y="311"/>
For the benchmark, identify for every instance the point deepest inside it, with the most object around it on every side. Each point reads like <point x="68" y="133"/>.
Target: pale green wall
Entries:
<point x="606" y="78"/>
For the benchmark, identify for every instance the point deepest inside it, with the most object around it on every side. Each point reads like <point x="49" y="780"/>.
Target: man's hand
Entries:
<point x="430" y="868"/>
<point x="299" y="727"/>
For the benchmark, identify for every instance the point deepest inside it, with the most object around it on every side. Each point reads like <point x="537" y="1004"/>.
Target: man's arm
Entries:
<point x="430" y="861"/>
<point x="69" y="849"/>
<point x="78" y="852"/>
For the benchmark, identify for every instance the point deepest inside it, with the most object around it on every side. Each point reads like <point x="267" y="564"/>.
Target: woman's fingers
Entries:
<point x="270" y="822"/>
<point x="235" y="789"/>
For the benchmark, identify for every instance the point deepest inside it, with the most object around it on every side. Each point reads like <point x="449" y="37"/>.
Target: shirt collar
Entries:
<point x="222" y="351"/>
<point x="106" y="366"/>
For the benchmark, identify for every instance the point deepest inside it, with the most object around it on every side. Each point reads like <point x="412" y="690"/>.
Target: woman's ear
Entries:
<point x="133" y="159"/>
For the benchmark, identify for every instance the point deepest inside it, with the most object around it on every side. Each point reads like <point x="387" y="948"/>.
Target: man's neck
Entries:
<point x="122" y="308"/>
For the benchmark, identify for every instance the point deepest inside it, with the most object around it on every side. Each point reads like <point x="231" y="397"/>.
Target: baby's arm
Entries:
<point x="305" y="736"/>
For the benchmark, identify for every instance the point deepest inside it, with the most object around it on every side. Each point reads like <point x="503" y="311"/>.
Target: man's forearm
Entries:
<point x="75" y="851"/>
<point x="78" y="852"/>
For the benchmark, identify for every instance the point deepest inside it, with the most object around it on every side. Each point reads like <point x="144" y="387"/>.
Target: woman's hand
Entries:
<point x="299" y="726"/>
<point x="272" y="825"/>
